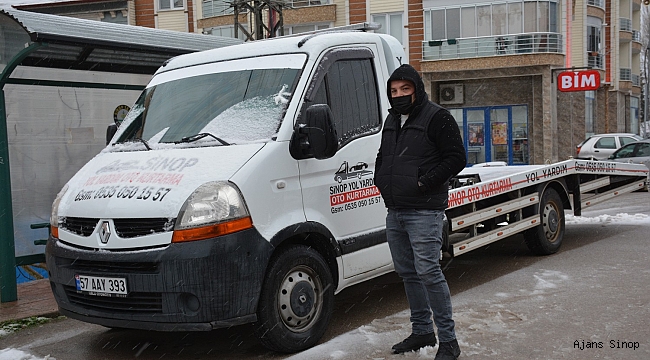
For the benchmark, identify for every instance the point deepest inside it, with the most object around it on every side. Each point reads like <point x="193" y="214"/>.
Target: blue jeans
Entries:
<point x="415" y="239"/>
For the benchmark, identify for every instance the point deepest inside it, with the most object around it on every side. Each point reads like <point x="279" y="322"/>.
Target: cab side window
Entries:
<point x="350" y="90"/>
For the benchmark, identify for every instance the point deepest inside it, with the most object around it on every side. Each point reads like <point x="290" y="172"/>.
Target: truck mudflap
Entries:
<point x="199" y="285"/>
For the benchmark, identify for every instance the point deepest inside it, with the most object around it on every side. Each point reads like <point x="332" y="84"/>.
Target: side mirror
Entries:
<point x="110" y="132"/>
<point x="316" y="135"/>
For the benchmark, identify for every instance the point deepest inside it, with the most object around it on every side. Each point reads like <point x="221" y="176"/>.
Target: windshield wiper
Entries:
<point x="143" y="141"/>
<point x="193" y="138"/>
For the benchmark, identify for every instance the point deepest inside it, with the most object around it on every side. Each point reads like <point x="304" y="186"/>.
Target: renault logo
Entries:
<point x="104" y="232"/>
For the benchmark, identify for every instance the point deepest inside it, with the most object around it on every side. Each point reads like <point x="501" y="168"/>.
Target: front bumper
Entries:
<point x="199" y="285"/>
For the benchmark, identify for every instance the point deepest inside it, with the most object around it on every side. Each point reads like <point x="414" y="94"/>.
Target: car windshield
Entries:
<point x="213" y="107"/>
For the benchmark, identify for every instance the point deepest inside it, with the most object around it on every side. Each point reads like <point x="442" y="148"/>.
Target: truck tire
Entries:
<point x="546" y="238"/>
<point x="296" y="301"/>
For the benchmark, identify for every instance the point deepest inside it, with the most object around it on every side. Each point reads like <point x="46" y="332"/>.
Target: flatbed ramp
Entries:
<point x="494" y="202"/>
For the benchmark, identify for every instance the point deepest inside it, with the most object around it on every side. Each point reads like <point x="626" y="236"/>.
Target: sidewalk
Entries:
<point x="34" y="299"/>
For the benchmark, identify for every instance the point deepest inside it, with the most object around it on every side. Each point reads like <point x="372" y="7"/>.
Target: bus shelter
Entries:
<point x="42" y="51"/>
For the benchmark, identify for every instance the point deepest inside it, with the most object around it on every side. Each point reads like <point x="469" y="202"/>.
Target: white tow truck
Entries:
<point x="226" y="196"/>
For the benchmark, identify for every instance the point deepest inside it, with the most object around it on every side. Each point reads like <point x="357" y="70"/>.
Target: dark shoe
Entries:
<point x="415" y="342"/>
<point x="448" y="351"/>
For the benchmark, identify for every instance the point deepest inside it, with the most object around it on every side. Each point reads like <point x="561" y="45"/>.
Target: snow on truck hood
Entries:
<point x="148" y="184"/>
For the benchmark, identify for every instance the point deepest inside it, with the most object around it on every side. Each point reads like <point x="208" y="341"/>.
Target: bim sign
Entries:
<point x="578" y="80"/>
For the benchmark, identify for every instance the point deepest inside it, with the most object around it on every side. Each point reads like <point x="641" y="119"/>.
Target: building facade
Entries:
<point x="494" y="65"/>
<point x="175" y="15"/>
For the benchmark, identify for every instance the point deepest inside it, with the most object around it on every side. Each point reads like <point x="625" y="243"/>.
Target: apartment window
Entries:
<point x="590" y="106"/>
<point x="594" y="27"/>
<point x="483" y="20"/>
<point x="515" y="18"/>
<point x="492" y="19"/>
<point x="213" y="8"/>
<point x="499" y="19"/>
<point x="453" y="23"/>
<point x="468" y="21"/>
<point x="390" y="24"/>
<point x="170" y="4"/>
<point x="530" y="16"/>
<point x="438" y="24"/>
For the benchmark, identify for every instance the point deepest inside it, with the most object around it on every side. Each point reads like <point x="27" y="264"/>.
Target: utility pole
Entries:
<point x="257" y="8"/>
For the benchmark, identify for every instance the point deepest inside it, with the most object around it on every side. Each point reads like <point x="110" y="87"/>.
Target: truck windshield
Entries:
<point x="236" y="106"/>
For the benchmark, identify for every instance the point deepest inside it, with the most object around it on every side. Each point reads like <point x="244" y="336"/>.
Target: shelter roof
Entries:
<point x="72" y="43"/>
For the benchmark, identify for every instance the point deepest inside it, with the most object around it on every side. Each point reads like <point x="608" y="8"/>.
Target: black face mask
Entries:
<point x="402" y="104"/>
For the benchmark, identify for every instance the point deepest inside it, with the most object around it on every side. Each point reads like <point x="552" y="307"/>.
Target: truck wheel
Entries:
<point x="296" y="301"/>
<point x="546" y="238"/>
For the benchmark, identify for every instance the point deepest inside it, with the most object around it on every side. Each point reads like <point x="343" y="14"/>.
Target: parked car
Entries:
<point x="637" y="152"/>
<point x="601" y="146"/>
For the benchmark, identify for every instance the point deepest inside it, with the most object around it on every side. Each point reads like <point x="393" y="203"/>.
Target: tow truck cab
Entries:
<point x="216" y="202"/>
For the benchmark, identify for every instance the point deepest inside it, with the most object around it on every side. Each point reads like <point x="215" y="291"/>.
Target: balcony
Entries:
<point x="599" y="3"/>
<point x="627" y="75"/>
<point x="595" y="61"/>
<point x="626" y="24"/>
<point x="305" y="3"/>
<point x="484" y="46"/>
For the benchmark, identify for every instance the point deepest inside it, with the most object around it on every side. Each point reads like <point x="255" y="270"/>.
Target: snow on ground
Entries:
<point x="14" y="354"/>
<point x="618" y="219"/>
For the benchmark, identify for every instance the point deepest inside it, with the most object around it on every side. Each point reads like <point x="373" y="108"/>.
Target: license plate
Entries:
<point x="101" y="286"/>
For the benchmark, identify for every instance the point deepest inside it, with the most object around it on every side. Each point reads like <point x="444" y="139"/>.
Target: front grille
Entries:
<point x="133" y="303"/>
<point x="79" y="226"/>
<point x="130" y="228"/>
<point x="94" y="266"/>
<point x="125" y="228"/>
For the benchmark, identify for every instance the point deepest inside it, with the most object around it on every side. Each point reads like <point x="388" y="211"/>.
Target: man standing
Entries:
<point x="421" y="150"/>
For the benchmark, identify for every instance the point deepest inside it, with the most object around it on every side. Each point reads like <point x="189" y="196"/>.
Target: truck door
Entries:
<point x="339" y="192"/>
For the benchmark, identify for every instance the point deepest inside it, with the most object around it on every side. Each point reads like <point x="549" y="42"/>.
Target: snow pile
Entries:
<point x="618" y="219"/>
<point x="15" y="354"/>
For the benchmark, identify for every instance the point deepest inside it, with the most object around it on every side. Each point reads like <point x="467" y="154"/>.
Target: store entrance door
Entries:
<point x="494" y="133"/>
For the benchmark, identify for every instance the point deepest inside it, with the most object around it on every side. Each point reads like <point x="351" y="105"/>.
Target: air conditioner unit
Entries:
<point x="451" y="94"/>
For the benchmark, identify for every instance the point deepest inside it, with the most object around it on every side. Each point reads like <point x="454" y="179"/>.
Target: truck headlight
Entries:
<point x="54" y="215"/>
<point x="214" y="209"/>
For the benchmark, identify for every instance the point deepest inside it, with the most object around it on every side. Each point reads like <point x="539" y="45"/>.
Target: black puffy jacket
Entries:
<point x="427" y="149"/>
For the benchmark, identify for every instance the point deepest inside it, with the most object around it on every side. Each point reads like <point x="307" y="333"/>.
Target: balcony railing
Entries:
<point x="626" y="24"/>
<point x="599" y="3"/>
<point x="636" y="35"/>
<point x="595" y="61"/>
<point x="626" y="74"/>
<point x="492" y="46"/>
<point x="305" y="3"/>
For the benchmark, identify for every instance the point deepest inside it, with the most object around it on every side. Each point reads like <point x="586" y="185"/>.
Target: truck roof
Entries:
<point x="311" y="44"/>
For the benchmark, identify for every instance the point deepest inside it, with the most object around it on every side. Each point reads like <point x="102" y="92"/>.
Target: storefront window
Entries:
<point x="475" y="136"/>
<point x="499" y="134"/>
<point x="520" y="135"/>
